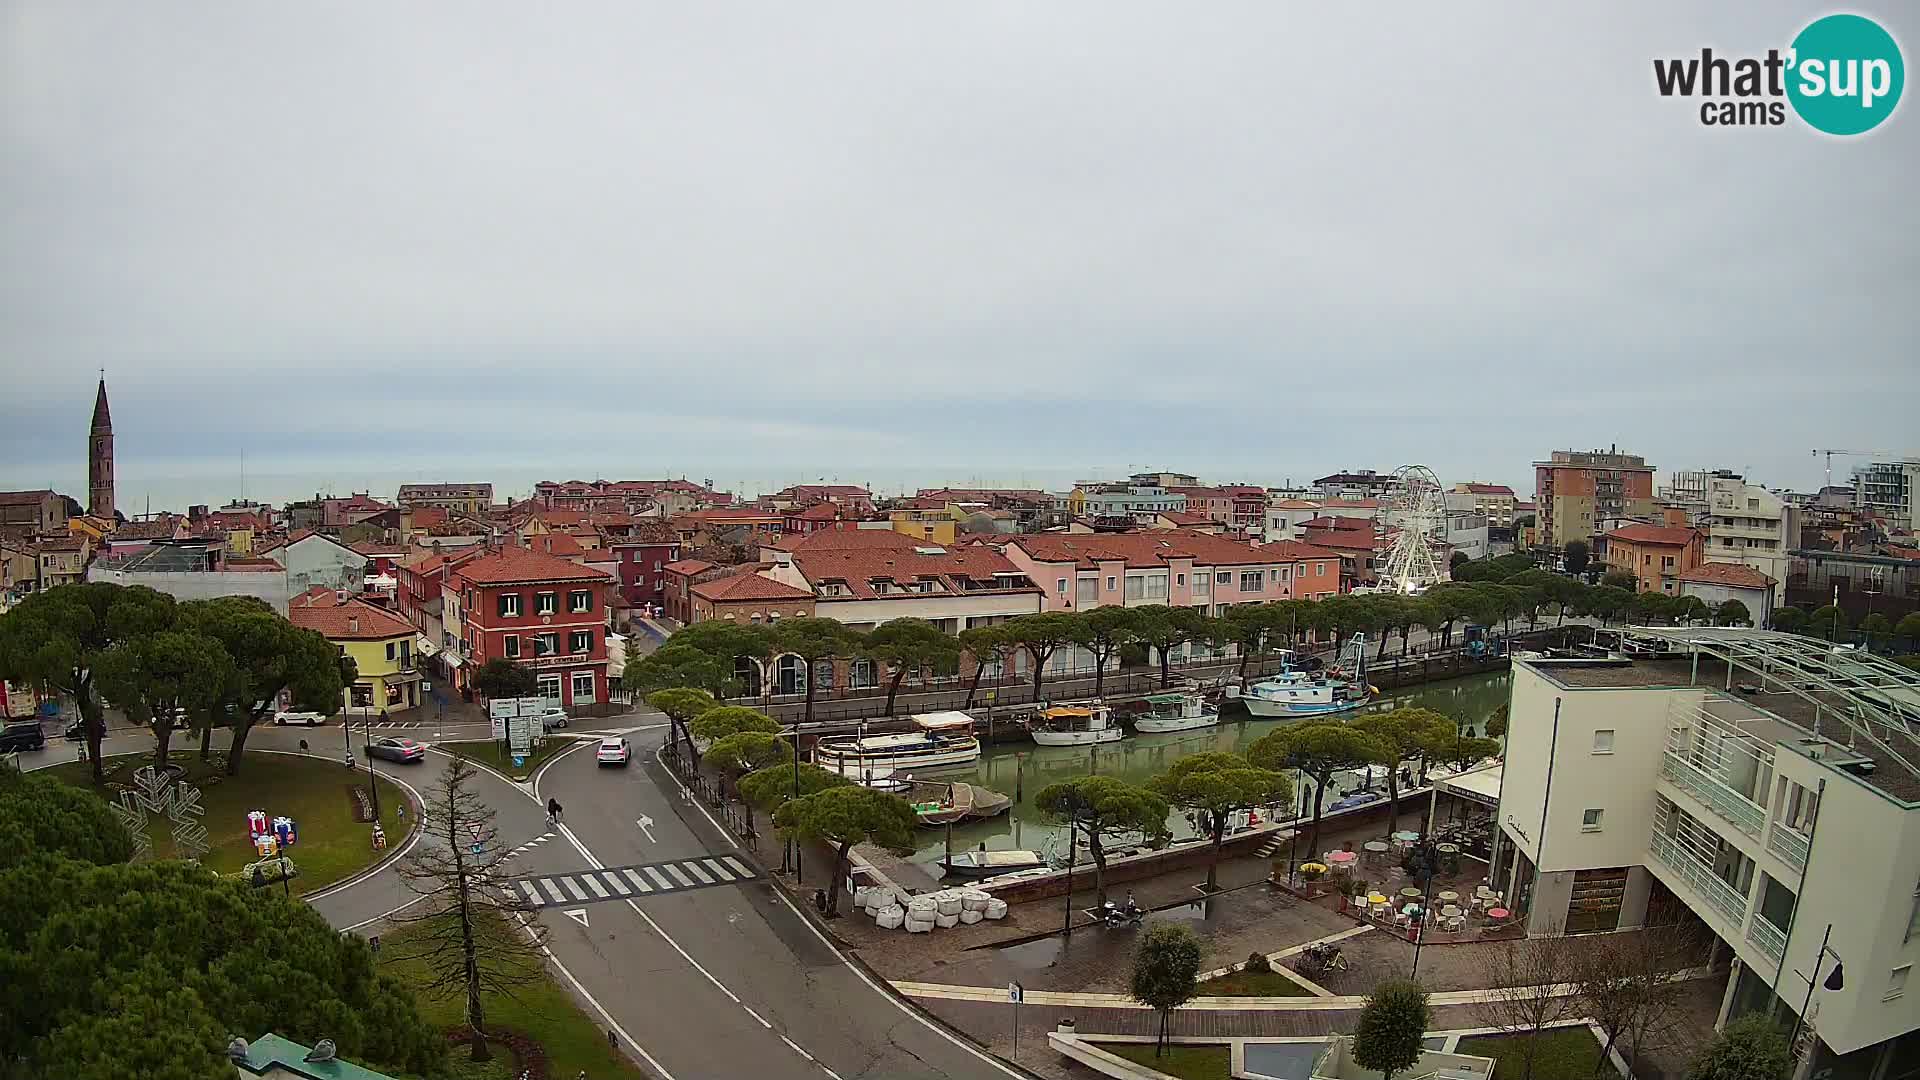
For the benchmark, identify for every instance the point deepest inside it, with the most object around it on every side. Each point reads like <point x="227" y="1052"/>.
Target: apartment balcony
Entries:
<point x="1790" y="846"/>
<point x="1726" y="803"/>
<point x="1767" y="937"/>
<point x="1699" y="877"/>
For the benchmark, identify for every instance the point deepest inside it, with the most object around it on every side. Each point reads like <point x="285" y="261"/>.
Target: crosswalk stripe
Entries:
<point x="694" y="869"/>
<point x="736" y="866"/>
<point x="679" y="876"/>
<point x="660" y="878"/>
<point x="719" y="871"/>
<point x="593" y="883"/>
<point x="573" y="888"/>
<point x="638" y="882"/>
<point x="533" y="894"/>
<point x="547" y="884"/>
<point x="614" y="881"/>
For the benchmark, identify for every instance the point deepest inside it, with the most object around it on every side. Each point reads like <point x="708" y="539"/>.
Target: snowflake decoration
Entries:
<point x="154" y="794"/>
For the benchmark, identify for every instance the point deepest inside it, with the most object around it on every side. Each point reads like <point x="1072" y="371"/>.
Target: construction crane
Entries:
<point x="1881" y="455"/>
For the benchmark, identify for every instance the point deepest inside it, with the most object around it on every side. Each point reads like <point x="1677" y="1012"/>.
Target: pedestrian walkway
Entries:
<point x="627" y="882"/>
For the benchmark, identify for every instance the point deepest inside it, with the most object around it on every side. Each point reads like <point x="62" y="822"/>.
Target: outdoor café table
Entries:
<point x="1342" y="858"/>
<point x="1376" y="847"/>
<point x="1406" y="836"/>
<point x="1410" y="893"/>
<point x="1447" y="849"/>
<point x="1497" y="913"/>
<point x="1450" y="910"/>
<point x="1448" y="896"/>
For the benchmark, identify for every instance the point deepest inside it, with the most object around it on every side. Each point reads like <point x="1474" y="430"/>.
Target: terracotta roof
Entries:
<point x="736" y="514"/>
<point x="822" y="512"/>
<point x="1182" y="518"/>
<point x="1284" y="550"/>
<point x="63" y="543"/>
<point x="799" y="490"/>
<point x="374" y="547"/>
<point x="1897" y="552"/>
<point x="320" y="608"/>
<point x="748" y="587"/>
<point x="1488" y="489"/>
<point x="515" y="564"/>
<point x="689" y="567"/>
<point x="157" y="529"/>
<point x="1138" y="549"/>
<point x="1723" y="573"/>
<point x="1293" y="504"/>
<point x="253" y="566"/>
<point x="858" y="569"/>
<point x="423" y="516"/>
<point x="846" y="537"/>
<point x="1347" y="523"/>
<point x="558" y="544"/>
<point x="25" y="498"/>
<point x="1344" y="539"/>
<point x="1669" y="535"/>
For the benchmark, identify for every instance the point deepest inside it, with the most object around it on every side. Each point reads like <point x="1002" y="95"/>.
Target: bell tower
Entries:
<point x="100" y="457"/>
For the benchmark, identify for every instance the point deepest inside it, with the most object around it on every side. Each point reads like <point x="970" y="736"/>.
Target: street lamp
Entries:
<point x="1835" y="980"/>
<point x="1430" y="856"/>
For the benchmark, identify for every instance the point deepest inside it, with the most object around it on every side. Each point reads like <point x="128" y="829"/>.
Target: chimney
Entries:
<point x="339" y="596"/>
<point x="353" y="624"/>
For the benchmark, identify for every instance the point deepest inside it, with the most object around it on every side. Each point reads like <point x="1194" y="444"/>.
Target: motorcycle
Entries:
<point x="1322" y="958"/>
<point x="1115" y="916"/>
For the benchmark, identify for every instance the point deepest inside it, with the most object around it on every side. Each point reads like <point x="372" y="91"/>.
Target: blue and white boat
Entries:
<point x="1321" y="693"/>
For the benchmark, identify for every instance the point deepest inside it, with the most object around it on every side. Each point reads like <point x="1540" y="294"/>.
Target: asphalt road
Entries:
<point x="726" y="980"/>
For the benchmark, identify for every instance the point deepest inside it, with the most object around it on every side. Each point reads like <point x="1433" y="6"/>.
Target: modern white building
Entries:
<point x="1890" y="489"/>
<point x="1765" y="781"/>
<point x="1749" y="525"/>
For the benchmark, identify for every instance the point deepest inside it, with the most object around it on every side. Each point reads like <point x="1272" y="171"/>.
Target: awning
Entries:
<point x="1479" y="785"/>
<point x="425" y="645"/>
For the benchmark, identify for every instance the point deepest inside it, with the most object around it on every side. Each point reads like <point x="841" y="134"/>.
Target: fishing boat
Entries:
<point x="1076" y="723"/>
<point x="1294" y="692"/>
<point x="960" y="802"/>
<point x="1182" y="711"/>
<point x="985" y="864"/>
<point x="939" y="740"/>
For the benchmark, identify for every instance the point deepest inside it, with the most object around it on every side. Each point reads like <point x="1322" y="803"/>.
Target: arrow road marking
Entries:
<point x="578" y="915"/>
<point x="646" y="826"/>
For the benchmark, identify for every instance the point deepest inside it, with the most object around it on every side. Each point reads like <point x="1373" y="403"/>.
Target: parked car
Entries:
<point x="401" y="750"/>
<point x="22" y="735"/>
<point x="306" y="717"/>
<point x="614" y="751"/>
<point x="551" y="717"/>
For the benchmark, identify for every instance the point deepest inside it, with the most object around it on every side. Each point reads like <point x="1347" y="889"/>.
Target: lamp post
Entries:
<point x="1430" y="856"/>
<point x="1834" y="981"/>
<point x="1073" y="848"/>
<point x="373" y="785"/>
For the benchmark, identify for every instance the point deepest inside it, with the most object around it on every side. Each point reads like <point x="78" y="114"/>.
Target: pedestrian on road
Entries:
<point x="553" y="811"/>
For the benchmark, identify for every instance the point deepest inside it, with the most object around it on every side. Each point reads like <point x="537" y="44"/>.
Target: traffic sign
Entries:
<point x="1015" y="992"/>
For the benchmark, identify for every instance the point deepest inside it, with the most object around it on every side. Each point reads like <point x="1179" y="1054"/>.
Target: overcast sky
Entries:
<point x="1004" y="242"/>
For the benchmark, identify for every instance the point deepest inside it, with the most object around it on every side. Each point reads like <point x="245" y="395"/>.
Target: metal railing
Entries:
<point x="1769" y="938"/>
<point x="1789" y="845"/>
<point x="1723" y="897"/>
<point x="1729" y="804"/>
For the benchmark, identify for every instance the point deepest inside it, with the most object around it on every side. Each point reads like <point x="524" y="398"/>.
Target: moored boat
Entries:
<point x="983" y="864"/>
<point x="940" y="740"/>
<point x="1179" y="711"/>
<point x="1076" y="723"/>
<point x="960" y="802"/>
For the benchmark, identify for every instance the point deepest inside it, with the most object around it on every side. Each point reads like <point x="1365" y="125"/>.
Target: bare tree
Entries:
<point x="1527" y="991"/>
<point x="474" y="935"/>
<point x="1631" y="984"/>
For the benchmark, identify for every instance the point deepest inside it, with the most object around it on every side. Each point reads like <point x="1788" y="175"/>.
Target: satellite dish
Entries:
<point x="322" y="1051"/>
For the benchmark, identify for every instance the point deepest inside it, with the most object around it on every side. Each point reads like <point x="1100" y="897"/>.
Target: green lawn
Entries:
<point x="1563" y="1054"/>
<point x="1253" y="984"/>
<point x="494" y="755"/>
<point x="1185" y="1062"/>
<point x="317" y="794"/>
<point x="544" y="1011"/>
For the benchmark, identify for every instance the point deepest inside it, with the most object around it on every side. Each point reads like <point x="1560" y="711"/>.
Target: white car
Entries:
<point x="551" y="717"/>
<point x="299" y="716"/>
<point x="614" y="751"/>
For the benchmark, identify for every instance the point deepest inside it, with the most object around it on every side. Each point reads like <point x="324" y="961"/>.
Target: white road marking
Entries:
<point x="547" y="884"/>
<point x="593" y="883"/>
<point x="578" y="915"/>
<point x="719" y="871"/>
<point x="658" y="877"/>
<point x="613" y="881"/>
<point x="757" y="1016"/>
<point x="736" y="866"/>
<point x="638" y="882"/>
<point x="796" y="1048"/>
<point x="578" y="893"/>
<point x="694" y="869"/>
<point x="678" y="875"/>
<point x="533" y="894"/>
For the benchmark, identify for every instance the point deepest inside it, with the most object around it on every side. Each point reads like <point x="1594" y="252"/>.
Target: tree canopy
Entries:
<point x="39" y="813"/>
<point x="1104" y="631"/>
<point x="745" y="751"/>
<point x="502" y="678"/>
<point x="1099" y="808"/>
<point x="1749" y="1048"/>
<point x="718" y="723"/>
<point x="908" y="644"/>
<point x="769" y="787"/>
<point x="1392" y="1024"/>
<point x="1166" y="972"/>
<point x="1576" y="555"/>
<point x="270" y="655"/>
<point x="158" y="675"/>
<point x="1409" y="733"/>
<point x="1041" y="635"/>
<point x="843" y="817"/>
<point x="1319" y="750"/>
<point x="1215" y="785"/>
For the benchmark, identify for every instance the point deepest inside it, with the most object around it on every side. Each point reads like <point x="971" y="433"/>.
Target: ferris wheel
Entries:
<point x="1418" y="508"/>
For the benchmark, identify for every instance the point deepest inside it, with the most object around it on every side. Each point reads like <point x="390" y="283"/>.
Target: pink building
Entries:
<point x="1177" y="568"/>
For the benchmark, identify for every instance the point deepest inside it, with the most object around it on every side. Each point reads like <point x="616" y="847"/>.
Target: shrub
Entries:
<point x="1258" y="963"/>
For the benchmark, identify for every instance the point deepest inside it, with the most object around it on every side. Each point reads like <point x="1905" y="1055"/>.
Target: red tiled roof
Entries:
<point x="373" y="547"/>
<point x="748" y="587"/>
<point x="799" y="490"/>
<point x="1179" y="517"/>
<point x="1347" y="523"/>
<point x="510" y="565"/>
<point x="320" y="608"/>
<point x="1898" y="552"/>
<point x="423" y="516"/>
<point x="25" y="498"/>
<point x="1295" y="504"/>
<point x="1343" y="539"/>
<point x="1668" y="535"/>
<point x="847" y="537"/>
<point x="1489" y="489"/>
<point x="859" y="568"/>
<point x="821" y="512"/>
<point x="689" y="567"/>
<point x="1142" y="549"/>
<point x="1721" y="573"/>
<point x="1293" y="550"/>
<point x="735" y="514"/>
<point x="252" y="566"/>
<point x="558" y="544"/>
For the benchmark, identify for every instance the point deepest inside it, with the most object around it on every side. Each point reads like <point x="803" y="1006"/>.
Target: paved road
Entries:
<point x="713" y="980"/>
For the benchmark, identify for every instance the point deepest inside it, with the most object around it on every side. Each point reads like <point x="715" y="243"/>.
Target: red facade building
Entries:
<point x="544" y="612"/>
<point x="640" y="563"/>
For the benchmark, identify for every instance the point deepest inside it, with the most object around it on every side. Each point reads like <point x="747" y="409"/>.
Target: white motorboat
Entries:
<point x="985" y="864"/>
<point x="1076" y="723"/>
<point x="940" y="740"/>
<point x="1176" y="712"/>
<point x="1296" y="693"/>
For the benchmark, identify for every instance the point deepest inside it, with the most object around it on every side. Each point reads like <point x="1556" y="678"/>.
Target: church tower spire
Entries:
<point x="100" y="456"/>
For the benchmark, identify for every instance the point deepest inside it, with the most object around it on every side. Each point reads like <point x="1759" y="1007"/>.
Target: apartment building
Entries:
<point x="1768" y="783"/>
<point x="1140" y="503"/>
<point x="1656" y="555"/>
<point x="462" y="498"/>
<point x="1890" y="489"/>
<point x="539" y="611"/>
<point x="1286" y="516"/>
<point x="380" y="643"/>
<point x="32" y="513"/>
<point x="1177" y="568"/>
<point x="1494" y="501"/>
<point x="864" y="584"/>
<point x="1578" y="489"/>
<point x="1751" y="526"/>
<point x="1363" y="484"/>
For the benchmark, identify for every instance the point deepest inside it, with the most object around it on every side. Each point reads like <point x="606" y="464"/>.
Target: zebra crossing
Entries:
<point x="629" y="882"/>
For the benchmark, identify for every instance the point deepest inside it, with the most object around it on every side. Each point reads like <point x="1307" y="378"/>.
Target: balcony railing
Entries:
<point x="1789" y="845"/>
<point x="1729" y="804"/>
<point x="1723" y="897"/>
<point x="1769" y="938"/>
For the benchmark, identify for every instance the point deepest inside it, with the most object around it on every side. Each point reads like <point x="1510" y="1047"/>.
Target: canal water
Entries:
<point x="1023" y="769"/>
